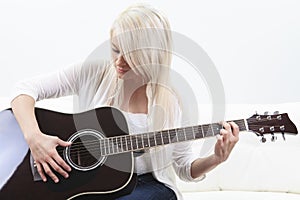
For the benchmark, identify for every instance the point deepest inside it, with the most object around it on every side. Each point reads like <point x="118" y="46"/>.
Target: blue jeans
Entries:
<point x="148" y="188"/>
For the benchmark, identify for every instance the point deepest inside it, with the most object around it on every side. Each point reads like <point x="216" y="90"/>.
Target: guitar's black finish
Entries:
<point x="106" y="178"/>
<point x="115" y="177"/>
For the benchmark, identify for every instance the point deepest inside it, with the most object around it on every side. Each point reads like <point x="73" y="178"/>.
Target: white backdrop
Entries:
<point x="254" y="44"/>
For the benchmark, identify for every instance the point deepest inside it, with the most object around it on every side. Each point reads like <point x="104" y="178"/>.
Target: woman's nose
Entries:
<point x="120" y="61"/>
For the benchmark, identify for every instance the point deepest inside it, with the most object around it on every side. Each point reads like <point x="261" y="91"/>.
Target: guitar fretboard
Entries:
<point x="127" y="143"/>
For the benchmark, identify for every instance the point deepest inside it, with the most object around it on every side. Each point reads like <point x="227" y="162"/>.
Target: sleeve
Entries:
<point x="183" y="155"/>
<point x="53" y="85"/>
<point x="67" y="81"/>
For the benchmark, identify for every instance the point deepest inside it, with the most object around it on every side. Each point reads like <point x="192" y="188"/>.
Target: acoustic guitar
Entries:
<point x="101" y="154"/>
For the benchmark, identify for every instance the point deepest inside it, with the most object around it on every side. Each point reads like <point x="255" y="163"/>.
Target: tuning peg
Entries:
<point x="273" y="138"/>
<point x="276" y="112"/>
<point x="266" y="113"/>
<point x="263" y="139"/>
<point x="283" y="136"/>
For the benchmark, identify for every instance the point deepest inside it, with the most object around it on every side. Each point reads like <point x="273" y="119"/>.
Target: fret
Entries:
<point x="165" y="137"/>
<point x="202" y="131"/>
<point x="124" y="143"/>
<point x="152" y="141"/>
<point x="158" y="138"/>
<point x="189" y="133"/>
<point x="102" y="147"/>
<point x="145" y="140"/>
<point x="139" y="141"/>
<point x="119" y="144"/>
<point x="106" y="147"/>
<point x="173" y="136"/>
<point x="134" y="142"/>
<point x="216" y="127"/>
<point x="241" y="123"/>
<point x="114" y="142"/>
<point x="128" y="142"/>
<point x="198" y="132"/>
<point x="180" y="135"/>
<point x="110" y="146"/>
<point x="207" y="130"/>
<point x="111" y="149"/>
<point x="194" y="136"/>
<point x="212" y="129"/>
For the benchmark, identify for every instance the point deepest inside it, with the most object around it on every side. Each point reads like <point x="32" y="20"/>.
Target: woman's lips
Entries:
<point x="122" y="70"/>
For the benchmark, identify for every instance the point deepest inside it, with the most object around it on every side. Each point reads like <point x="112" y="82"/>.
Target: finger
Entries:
<point x="63" y="143"/>
<point x="220" y="142"/>
<point x="58" y="169"/>
<point x="41" y="172"/>
<point x="225" y="136"/>
<point x="226" y="126"/>
<point x="219" y="151"/>
<point x="235" y="129"/>
<point x="49" y="172"/>
<point x="61" y="162"/>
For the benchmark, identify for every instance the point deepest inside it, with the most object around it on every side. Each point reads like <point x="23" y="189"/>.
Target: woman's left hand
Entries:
<point x="229" y="136"/>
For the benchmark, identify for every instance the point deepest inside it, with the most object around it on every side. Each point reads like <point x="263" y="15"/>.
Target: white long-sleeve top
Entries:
<point x="90" y="83"/>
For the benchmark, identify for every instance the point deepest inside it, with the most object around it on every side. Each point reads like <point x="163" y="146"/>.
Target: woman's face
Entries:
<point x="121" y="65"/>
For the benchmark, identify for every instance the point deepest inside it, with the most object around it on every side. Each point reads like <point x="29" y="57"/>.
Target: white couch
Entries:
<point x="254" y="170"/>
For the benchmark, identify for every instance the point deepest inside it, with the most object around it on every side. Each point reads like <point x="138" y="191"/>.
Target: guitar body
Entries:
<point x="101" y="152"/>
<point x="93" y="175"/>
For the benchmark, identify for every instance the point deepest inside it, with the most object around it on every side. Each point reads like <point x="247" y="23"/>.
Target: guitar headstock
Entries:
<point x="271" y="124"/>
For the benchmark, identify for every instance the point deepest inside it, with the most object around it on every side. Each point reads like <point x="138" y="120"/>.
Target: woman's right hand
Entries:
<point x="46" y="157"/>
<point x="42" y="146"/>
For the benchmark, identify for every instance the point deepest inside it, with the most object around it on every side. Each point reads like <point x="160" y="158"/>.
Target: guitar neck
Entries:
<point x="127" y="143"/>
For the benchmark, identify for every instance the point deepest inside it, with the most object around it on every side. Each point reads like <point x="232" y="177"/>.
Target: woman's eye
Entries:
<point x="115" y="50"/>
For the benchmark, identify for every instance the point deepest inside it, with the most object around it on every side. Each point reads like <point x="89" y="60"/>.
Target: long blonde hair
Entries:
<point x="144" y="37"/>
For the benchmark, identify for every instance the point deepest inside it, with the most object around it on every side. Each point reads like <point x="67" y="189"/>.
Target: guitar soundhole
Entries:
<point x="85" y="152"/>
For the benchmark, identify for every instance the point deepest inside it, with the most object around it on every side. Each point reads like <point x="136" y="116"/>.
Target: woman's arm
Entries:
<point x="68" y="81"/>
<point x="229" y="136"/>
<point x="42" y="146"/>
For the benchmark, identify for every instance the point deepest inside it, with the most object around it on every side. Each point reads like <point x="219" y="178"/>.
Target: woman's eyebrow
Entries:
<point x="115" y="46"/>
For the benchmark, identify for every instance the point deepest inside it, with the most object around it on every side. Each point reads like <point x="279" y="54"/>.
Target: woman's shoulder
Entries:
<point x="94" y="65"/>
<point x="92" y="68"/>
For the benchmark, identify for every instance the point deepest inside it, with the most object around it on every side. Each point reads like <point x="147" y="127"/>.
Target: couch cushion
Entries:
<point x="255" y="166"/>
<point x="239" y="195"/>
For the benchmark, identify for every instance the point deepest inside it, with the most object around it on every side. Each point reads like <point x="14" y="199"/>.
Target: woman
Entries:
<point x="136" y="82"/>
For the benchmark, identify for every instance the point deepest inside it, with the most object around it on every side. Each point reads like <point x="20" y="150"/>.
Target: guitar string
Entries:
<point x="135" y="141"/>
<point x="154" y="135"/>
<point x="157" y="133"/>
<point x="115" y="147"/>
<point x="209" y="125"/>
<point x="237" y="121"/>
<point x="138" y="139"/>
<point x="134" y="145"/>
<point x="84" y="153"/>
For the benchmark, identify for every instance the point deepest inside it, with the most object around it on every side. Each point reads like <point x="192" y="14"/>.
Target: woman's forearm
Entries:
<point x="203" y="165"/>
<point x="23" y="109"/>
<point x="42" y="146"/>
<point x="229" y="136"/>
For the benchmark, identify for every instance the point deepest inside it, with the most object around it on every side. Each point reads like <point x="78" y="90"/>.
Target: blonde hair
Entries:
<point x="144" y="37"/>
